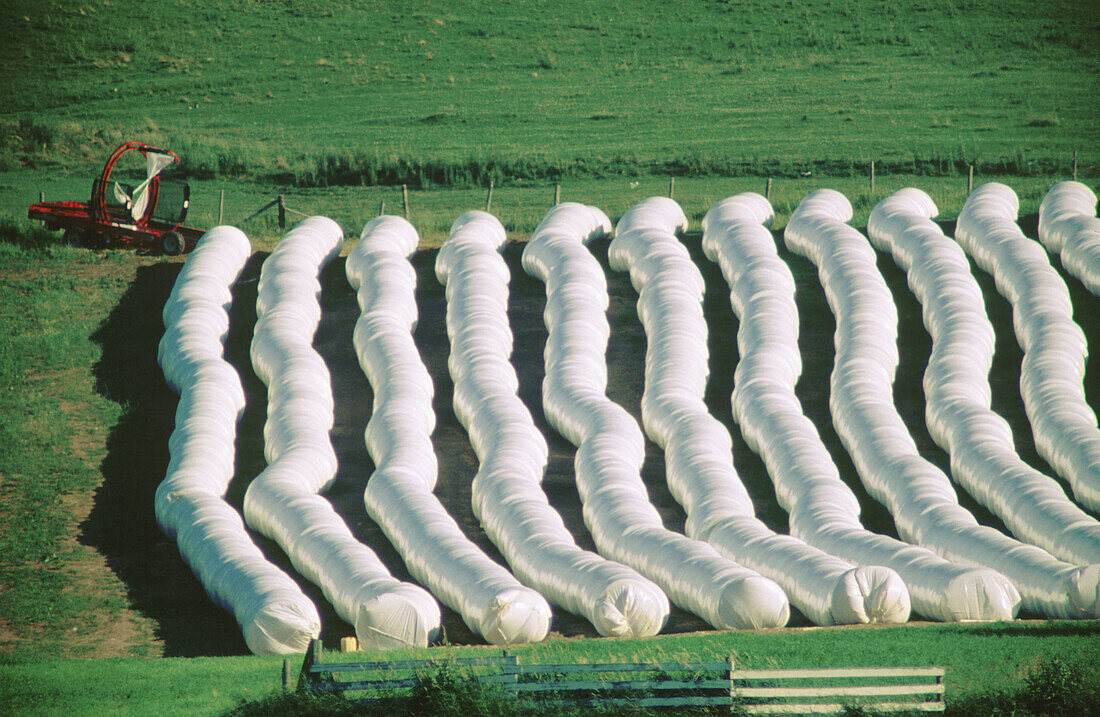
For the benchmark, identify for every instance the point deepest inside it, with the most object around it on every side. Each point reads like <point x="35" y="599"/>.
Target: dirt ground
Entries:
<point x="161" y="588"/>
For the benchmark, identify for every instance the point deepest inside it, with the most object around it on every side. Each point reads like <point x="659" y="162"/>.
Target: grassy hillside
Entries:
<point x="334" y="91"/>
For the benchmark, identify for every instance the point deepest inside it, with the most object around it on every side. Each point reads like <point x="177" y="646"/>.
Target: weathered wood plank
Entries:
<point x="508" y="678"/>
<point x="624" y="667"/>
<point x="840" y="691"/>
<point x="665" y="701"/>
<point x="789" y="674"/>
<point x="498" y="661"/>
<point x="835" y="708"/>
<point x="397" y="683"/>
<point x="687" y="701"/>
<point x="621" y="685"/>
<point x="357" y="685"/>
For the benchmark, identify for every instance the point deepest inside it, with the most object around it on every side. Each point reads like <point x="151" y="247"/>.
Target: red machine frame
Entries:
<point x="98" y="222"/>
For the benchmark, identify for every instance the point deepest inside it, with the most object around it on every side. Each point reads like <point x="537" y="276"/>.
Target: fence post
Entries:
<point x="405" y="199"/>
<point x="1075" y="165"/>
<point x="969" y="179"/>
<point x="872" y="176"/>
<point x="282" y="211"/>
<point x="381" y="207"/>
<point x="489" y="198"/>
<point x="729" y="674"/>
<point x="510" y="667"/>
<point x="221" y="205"/>
<point x="42" y="195"/>
<point x="557" y="194"/>
<point x="672" y="187"/>
<point x="768" y="189"/>
<point x="313" y="656"/>
<point x="286" y="674"/>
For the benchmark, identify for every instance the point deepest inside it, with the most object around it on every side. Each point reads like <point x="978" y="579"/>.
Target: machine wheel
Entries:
<point x="172" y="243"/>
<point x="75" y="237"/>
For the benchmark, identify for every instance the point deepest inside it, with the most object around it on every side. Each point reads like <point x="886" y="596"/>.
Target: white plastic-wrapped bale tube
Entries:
<point x="275" y="615"/>
<point x="916" y="493"/>
<point x="506" y="492"/>
<point x="822" y="509"/>
<point x="983" y="457"/>
<point x="1052" y="373"/>
<point x="611" y="448"/>
<point x="283" y="502"/>
<point x="399" y="494"/>
<point x="1069" y="227"/>
<point x="698" y="448"/>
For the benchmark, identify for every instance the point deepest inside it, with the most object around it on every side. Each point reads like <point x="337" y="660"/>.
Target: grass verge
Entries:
<point x="53" y="427"/>
<point x="1039" y="666"/>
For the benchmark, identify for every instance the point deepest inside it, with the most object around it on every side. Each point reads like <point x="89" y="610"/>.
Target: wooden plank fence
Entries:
<point x="646" y="684"/>
<point x="831" y="690"/>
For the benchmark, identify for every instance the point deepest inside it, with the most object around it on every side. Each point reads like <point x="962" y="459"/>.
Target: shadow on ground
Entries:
<point x="121" y="524"/>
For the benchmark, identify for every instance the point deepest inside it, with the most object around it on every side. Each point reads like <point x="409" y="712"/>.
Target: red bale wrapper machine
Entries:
<point x="150" y="214"/>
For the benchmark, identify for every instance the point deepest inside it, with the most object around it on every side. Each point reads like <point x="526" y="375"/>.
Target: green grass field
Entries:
<point x="519" y="208"/>
<point x="980" y="660"/>
<point x="324" y="91"/>
<point x="334" y="104"/>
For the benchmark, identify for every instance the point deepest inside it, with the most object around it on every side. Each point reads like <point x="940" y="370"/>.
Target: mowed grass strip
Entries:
<point x="55" y="597"/>
<point x="519" y="207"/>
<point x="333" y="92"/>
<point x="981" y="660"/>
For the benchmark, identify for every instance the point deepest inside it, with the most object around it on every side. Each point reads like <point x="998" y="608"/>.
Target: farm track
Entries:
<point x="160" y="586"/>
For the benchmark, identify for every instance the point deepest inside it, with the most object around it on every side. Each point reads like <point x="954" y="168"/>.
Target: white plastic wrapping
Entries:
<point x="1068" y="226"/>
<point x="399" y="495"/>
<point x="506" y="492"/>
<point x="1053" y="370"/>
<point x="137" y="199"/>
<point x="983" y="457"/>
<point x="698" y="448"/>
<point x="624" y="524"/>
<point x="274" y="614"/>
<point x="283" y="502"/>
<point x="823" y="510"/>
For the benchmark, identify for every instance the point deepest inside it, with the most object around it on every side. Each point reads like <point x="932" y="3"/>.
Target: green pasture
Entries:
<point x="981" y="660"/>
<point x="520" y="208"/>
<point x="319" y="92"/>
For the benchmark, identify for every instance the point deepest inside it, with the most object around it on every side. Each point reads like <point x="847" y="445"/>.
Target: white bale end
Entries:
<point x="515" y="617"/>
<point x="282" y="627"/>
<point x="403" y="617"/>
<point x="870" y="594"/>
<point x="1085" y="590"/>
<point x="981" y="595"/>
<point x="752" y="603"/>
<point x="631" y="608"/>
